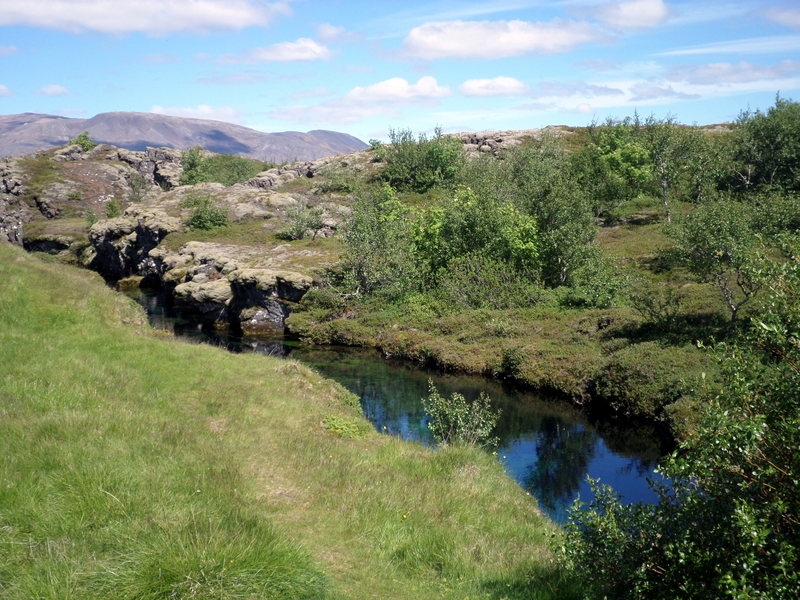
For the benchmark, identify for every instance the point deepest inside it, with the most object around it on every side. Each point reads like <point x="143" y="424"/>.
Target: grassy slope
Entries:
<point x="135" y="467"/>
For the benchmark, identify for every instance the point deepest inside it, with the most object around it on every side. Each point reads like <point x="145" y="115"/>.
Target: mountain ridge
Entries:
<point x="26" y="133"/>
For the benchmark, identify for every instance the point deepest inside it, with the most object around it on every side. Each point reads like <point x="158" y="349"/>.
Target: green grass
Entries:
<point x="135" y="467"/>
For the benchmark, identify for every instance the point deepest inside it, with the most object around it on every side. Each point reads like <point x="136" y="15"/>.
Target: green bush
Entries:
<point x="206" y="215"/>
<point x="113" y="208"/>
<point x="420" y="163"/>
<point x="727" y="526"/>
<point x="200" y="166"/>
<point x="84" y="141"/>
<point x="300" y="220"/>
<point x="454" y="420"/>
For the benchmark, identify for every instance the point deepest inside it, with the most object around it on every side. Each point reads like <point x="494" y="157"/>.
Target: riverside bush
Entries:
<point x="454" y="420"/>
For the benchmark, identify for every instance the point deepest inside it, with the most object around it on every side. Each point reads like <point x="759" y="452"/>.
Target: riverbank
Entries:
<point x="135" y="465"/>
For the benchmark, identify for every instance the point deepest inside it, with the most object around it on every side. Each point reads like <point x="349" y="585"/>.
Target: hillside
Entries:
<point x="28" y="132"/>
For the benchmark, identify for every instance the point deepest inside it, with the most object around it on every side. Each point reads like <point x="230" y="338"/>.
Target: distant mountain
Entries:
<point x="28" y="132"/>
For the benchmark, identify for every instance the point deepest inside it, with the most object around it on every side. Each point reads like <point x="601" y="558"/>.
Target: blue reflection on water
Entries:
<point x="546" y="446"/>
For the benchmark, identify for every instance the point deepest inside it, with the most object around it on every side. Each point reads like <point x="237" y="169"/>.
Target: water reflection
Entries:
<point x="545" y="445"/>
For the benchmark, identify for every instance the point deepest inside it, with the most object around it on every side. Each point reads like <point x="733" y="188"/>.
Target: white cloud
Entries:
<point x="54" y="90"/>
<point x="303" y="49"/>
<point x="327" y="32"/>
<point x="759" y="45"/>
<point x="634" y="14"/>
<point x="8" y="50"/>
<point x="4" y="90"/>
<point x="496" y="39"/>
<point x="201" y="111"/>
<point x="741" y="72"/>
<point x="496" y="86"/>
<point x="784" y="16"/>
<point x="386" y="98"/>
<point x="149" y="16"/>
<point x="398" y="89"/>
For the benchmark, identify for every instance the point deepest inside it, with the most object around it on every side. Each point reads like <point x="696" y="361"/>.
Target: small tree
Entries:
<point x="454" y="420"/>
<point x="767" y="147"/>
<point x="420" y="163"/>
<point x="717" y="243"/>
<point x="300" y="220"/>
<point x="84" y="141"/>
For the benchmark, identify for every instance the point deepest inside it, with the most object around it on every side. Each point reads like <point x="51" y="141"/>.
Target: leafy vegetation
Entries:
<point x="84" y="141"/>
<point x="454" y="420"/>
<point x="728" y="525"/>
<point x="206" y="215"/>
<point x="200" y="166"/>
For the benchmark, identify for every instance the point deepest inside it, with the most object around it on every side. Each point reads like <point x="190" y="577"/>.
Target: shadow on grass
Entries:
<point x="544" y="583"/>
<point x="678" y="331"/>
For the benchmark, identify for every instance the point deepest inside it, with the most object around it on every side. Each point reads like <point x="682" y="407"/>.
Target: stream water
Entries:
<point x="546" y="445"/>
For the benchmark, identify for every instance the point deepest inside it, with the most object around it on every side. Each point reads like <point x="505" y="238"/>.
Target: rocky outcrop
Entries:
<point x="10" y="225"/>
<point x="121" y="246"/>
<point x="13" y="212"/>
<point x="216" y="282"/>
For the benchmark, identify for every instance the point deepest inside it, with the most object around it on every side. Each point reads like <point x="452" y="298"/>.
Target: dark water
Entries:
<point x="547" y="446"/>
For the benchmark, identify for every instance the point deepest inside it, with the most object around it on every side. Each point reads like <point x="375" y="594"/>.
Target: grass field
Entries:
<point x="138" y="467"/>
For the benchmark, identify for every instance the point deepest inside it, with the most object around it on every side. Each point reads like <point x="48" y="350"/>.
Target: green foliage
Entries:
<point x="454" y="420"/>
<point x="421" y="163"/>
<point x="206" y="215"/>
<point x="347" y="428"/>
<point x="717" y="243"/>
<point x="138" y="187"/>
<point x="477" y="281"/>
<point x="728" y="524"/>
<point x="464" y="224"/>
<point x="619" y="147"/>
<point x="91" y="219"/>
<point x="113" y="208"/>
<point x="658" y="304"/>
<point x="377" y="254"/>
<point x="300" y="220"/>
<point x="84" y="141"/>
<point x="538" y="178"/>
<point x="200" y="166"/>
<point x="767" y="148"/>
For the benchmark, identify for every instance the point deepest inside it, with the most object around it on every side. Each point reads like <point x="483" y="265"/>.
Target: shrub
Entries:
<point x="206" y="215"/>
<point x="421" y="163"/>
<point x="200" y="166"/>
<point x="300" y="220"/>
<point x="454" y="420"/>
<point x="113" y="208"/>
<point x="138" y="187"/>
<point x="84" y="141"/>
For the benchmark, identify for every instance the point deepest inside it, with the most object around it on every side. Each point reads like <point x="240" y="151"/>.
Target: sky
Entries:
<point x="367" y="67"/>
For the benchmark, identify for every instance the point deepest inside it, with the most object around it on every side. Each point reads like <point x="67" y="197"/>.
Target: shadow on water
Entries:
<point x="546" y="445"/>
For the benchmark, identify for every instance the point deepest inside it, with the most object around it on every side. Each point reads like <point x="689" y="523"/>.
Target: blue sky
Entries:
<point x="365" y="67"/>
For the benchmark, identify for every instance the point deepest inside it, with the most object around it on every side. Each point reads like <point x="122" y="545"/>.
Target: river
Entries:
<point x="546" y="445"/>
